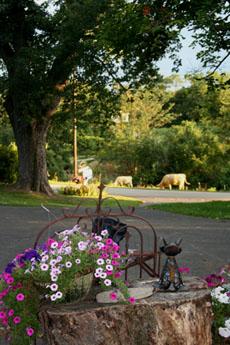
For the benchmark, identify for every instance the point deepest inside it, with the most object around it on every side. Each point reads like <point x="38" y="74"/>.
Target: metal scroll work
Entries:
<point x="134" y="234"/>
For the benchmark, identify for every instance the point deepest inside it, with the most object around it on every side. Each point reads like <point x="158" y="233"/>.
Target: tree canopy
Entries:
<point x="98" y="41"/>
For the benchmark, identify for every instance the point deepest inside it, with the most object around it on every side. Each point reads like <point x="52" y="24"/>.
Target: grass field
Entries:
<point x="213" y="209"/>
<point x="12" y="197"/>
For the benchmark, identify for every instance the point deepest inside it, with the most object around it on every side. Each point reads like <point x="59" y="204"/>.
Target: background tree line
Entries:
<point x="145" y="133"/>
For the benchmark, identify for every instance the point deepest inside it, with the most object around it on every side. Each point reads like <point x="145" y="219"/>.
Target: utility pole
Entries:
<point x="75" y="153"/>
<point x="75" y="146"/>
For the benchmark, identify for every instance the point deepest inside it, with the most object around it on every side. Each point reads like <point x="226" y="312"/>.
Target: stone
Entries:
<point x="168" y="318"/>
<point x="136" y="292"/>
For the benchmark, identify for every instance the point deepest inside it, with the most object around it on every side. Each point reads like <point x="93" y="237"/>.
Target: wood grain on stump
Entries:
<point x="165" y="318"/>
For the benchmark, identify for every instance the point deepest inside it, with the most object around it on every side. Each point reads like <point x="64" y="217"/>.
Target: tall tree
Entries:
<point x="40" y="48"/>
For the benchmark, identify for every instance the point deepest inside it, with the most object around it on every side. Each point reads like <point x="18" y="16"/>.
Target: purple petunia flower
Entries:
<point x="9" y="268"/>
<point x="28" y="255"/>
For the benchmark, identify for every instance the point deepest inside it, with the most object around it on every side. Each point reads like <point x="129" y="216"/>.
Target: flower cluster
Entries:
<point x="219" y="283"/>
<point x="225" y="331"/>
<point x="51" y="273"/>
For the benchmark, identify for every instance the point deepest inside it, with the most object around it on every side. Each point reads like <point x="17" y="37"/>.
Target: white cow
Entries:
<point x="124" y="181"/>
<point x="173" y="180"/>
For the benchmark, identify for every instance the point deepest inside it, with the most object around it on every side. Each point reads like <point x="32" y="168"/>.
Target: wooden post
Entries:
<point x="75" y="147"/>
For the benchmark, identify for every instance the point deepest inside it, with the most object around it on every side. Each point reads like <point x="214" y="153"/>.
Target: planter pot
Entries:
<point x="80" y="288"/>
<point x="77" y="290"/>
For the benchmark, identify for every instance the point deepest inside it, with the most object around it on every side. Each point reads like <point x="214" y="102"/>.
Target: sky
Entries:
<point x="189" y="61"/>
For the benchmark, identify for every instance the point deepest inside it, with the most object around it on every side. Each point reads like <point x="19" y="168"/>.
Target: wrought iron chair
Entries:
<point x="122" y="232"/>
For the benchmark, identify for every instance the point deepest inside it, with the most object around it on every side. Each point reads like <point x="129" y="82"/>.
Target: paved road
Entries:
<point x="159" y="196"/>
<point x="206" y="242"/>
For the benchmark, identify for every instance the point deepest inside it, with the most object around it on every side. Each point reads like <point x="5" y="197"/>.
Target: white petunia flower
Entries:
<point x="103" y="275"/>
<point x="224" y="332"/>
<point x="53" y="287"/>
<point x="107" y="282"/>
<point x="68" y="264"/>
<point x="100" y="261"/>
<point x="54" y="278"/>
<point x="82" y="245"/>
<point x="100" y="245"/>
<point x="78" y="261"/>
<point x="227" y="323"/>
<point x="53" y="297"/>
<point x="98" y="238"/>
<point x="109" y="267"/>
<point x="104" y="232"/>
<point x="59" y="294"/>
<point x="44" y="267"/>
<point x="223" y="298"/>
<point x="99" y="270"/>
<point x="108" y="261"/>
<point x="54" y="245"/>
<point x="97" y="275"/>
<point x="68" y="250"/>
<point x="45" y="258"/>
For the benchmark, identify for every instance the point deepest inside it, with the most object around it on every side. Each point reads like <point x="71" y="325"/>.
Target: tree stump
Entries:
<point x="165" y="318"/>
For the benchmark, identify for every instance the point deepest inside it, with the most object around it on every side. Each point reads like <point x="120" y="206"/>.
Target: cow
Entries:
<point x="173" y="180"/>
<point x="124" y="181"/>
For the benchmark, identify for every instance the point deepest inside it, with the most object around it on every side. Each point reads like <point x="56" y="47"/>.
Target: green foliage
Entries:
<point x="12" y="197"/>
<point x="8" y="163"/>
<point x="199" y="102"/>
<point x="90" y="190"/>
<point x="59" y="161"/>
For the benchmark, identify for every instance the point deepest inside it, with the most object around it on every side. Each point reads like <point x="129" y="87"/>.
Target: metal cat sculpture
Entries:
<point x="170" y="278"/>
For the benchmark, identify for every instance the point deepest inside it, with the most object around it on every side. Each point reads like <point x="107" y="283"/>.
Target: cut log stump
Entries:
<point x="165" y="318"/>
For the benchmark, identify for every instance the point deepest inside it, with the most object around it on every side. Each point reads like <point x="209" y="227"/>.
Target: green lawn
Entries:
<point x="11" y="197"/>
<point x="213" y="209"/>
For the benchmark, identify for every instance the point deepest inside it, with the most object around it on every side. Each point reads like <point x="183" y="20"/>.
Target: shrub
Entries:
<point x="8" y="163"/>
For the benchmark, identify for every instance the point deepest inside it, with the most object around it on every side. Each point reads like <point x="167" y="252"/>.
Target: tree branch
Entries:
<point x="216" y="67"/>
<point x="111" y="73"/>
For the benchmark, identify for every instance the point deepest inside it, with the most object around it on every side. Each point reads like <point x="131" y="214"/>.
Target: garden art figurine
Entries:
<point x="170" y="278"/>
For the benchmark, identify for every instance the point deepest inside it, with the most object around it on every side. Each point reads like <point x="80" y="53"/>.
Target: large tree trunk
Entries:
<point x="31" y="141"/>
<point x="30" y="135"/>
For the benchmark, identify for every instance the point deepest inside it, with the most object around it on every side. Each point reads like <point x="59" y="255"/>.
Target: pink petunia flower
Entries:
<point x="2" y="315"/>
<point x="29" y="331"/>
<point x="10" y="280"/>
<point x="19" y="285"/>
<point x="11" y="312"/>
<point x="116" y="247"/>
<point x="132" y="300"/>
<point x="214" y="280"/>
<point x="16" y="320"/>
<point x="5" y="322"/>
<point x="115" y="256"/>
<point x="109" y="241"/>
<point x="109" y="273"/>
<point x="118" y="274"/>
<point x="20" y="297"/>
<point x="113" y="296"/>
<point x="184" y="269"/>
